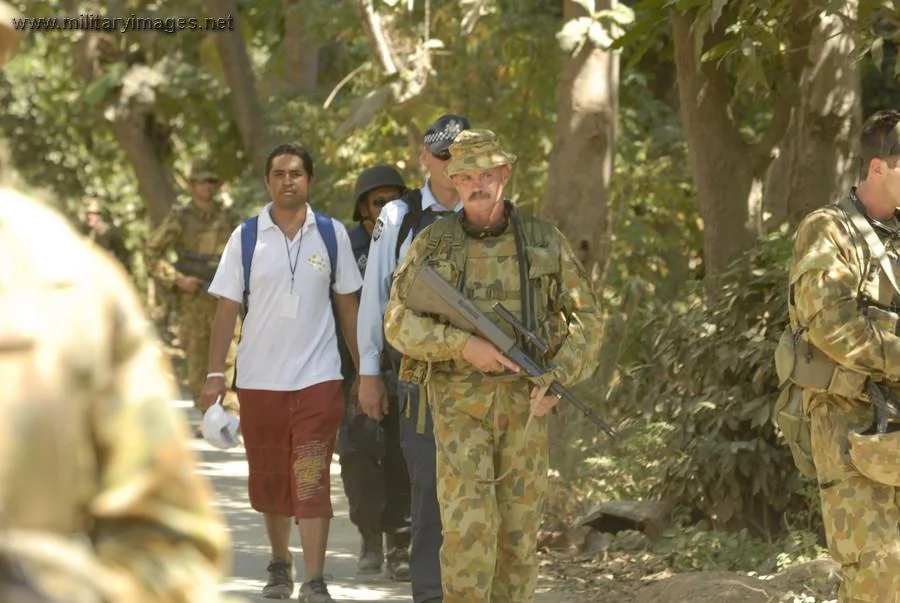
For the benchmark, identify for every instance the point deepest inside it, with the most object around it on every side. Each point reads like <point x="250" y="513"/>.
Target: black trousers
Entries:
<point x="373" y="470"/>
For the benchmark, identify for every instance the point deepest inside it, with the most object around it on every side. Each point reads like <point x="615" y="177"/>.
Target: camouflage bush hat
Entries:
<point x="203" y="169"/>
<point x="477" y="150"/>
<point x="9" y="35"/>
<point x="92" y="206"/>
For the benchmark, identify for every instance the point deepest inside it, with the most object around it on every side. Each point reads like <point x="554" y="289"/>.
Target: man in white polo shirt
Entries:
<point x="288" y="364"/>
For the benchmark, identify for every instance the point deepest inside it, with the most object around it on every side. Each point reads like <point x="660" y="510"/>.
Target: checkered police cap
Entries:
<point x="441" y="134"/>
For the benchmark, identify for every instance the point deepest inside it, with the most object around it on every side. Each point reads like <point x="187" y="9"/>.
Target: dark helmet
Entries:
<point x="372" y="178"/>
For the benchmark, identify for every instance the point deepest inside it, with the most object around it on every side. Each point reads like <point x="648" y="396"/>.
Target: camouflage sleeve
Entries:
<point x="825" y="278"/>
<point x="161" y="241"/>
<point x="579" y="356"/>
<point x="154" y="522"/>
<point x="420" y="337"/>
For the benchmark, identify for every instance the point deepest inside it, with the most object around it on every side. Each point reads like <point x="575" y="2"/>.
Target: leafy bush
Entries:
<point x="701" y="372"/>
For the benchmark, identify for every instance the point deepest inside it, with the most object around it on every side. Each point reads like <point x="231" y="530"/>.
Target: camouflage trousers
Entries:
<point x="195" y="316"/>
<point x="861" y="516"/>
<point x="489" y="552"/>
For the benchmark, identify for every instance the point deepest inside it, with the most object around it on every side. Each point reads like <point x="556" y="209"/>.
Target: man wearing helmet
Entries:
<point x="373" y="470"/>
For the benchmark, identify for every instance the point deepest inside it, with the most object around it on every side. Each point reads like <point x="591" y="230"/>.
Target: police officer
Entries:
<point x="492" y="448"/>
<point x="373" y="471"/>
<point x="196" y="233"/>
<point x="95" y="227"/>
<point x="841" y="360"/>
<point x="400" y="221"/>
<point x="99" y="500"/>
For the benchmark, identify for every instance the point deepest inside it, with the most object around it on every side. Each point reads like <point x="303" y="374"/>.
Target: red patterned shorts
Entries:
<point x="289" y="438"/>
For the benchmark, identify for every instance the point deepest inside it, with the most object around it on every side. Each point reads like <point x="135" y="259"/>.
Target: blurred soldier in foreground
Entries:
<point x="99" y="501"/>
<point x="839" y="362"/>
<point x="95" y="227"/>
<point x="196" y="233"/>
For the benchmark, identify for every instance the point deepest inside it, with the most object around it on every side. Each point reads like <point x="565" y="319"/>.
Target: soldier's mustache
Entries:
<point x="479" y="196"/>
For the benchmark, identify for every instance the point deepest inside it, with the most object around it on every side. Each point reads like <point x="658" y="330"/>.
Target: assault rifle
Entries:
<point x="885" y="407"/>
<point x="431" y="294"/>
<point x="199" y="265"/>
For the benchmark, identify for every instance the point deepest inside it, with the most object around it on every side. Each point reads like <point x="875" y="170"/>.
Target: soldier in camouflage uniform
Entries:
<point x="489" y="424"/>
<point x="104" y="234"/>
<point x="99" y="499"/>
<point x="197" y="234"/>
<point x="840" y="351"/>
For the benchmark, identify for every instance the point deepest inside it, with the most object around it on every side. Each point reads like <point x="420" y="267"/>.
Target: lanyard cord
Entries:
<point x="293" y="265"/>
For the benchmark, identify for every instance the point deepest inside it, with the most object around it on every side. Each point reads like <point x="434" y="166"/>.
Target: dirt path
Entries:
<point x="228" y="471"/>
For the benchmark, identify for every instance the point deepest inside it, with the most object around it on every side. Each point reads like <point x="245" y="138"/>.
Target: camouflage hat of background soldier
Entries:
<point x="372" y="178"/>
<point x="92" y="205"/>
<point x="203" y="169"/>
<point x="477" y="150"/>
<point x="9" y="36"/>
<point x="441" y="134"/>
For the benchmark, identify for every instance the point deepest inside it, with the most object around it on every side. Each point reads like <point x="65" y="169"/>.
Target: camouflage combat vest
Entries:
<point x="487" y="271"/>
<point x="204" y="234"/>
<point x="802" y="367"/>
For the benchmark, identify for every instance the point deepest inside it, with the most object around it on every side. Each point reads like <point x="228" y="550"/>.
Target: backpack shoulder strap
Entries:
<point x="326" y="228"/>
<point x="248" y="246"/>
<point x="874" y="244"/>
<point x="413" y="199"/>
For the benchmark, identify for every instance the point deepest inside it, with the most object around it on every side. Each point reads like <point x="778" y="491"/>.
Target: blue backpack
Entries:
<point x="248" y="246"/>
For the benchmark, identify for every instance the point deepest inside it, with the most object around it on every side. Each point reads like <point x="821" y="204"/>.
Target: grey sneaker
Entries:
<point x="315" y="591"/>
<point x="281" y="579"/>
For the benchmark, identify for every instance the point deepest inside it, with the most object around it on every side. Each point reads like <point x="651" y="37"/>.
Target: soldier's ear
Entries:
<point x="876" y="166"/>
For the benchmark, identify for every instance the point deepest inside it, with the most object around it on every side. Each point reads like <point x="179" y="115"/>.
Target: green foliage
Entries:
<point x="702" y="373"/>
<point x="698" y="548"/>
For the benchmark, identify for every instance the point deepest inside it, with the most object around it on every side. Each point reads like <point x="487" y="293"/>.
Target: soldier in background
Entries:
<point x="100" y="502"/>
<point x="108" y="236"/>
<point x="196" y="234"/>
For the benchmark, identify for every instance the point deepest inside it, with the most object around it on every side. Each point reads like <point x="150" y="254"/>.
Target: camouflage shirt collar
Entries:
<point x="889" y="227"/>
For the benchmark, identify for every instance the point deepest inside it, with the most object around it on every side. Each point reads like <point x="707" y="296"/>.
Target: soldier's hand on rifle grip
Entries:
<point x="373" y="396"/>
<point x="486" y="358"/>
<point x="545" y="404"/>
<point x="188" y="284"/>
<point x="212" y="389"/>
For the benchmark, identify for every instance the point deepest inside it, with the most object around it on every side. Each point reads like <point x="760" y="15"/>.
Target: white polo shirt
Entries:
<point x="289" y="338"/>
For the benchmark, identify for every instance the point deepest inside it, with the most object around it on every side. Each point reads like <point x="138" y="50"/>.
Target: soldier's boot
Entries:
<point x="371" y="554"/>
<point x="398" y="557"/>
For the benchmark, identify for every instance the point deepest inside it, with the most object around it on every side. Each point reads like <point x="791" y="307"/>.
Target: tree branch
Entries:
<point x="371" y="22"/>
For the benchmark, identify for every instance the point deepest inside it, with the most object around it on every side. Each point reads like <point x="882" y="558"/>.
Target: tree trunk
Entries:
<point x="581" y="162"/>
<point x="719" y="157"/>
<point x="816" y="161"/>
<point x="581" y="165"/>
<point x="301" y="53"/>
<point x="153" y="179"/>
<point x="248" y="110"/>
<point x="133" y="127"/>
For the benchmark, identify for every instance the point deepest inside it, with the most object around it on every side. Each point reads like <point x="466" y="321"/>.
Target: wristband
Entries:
<point x="209" y="375"/>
